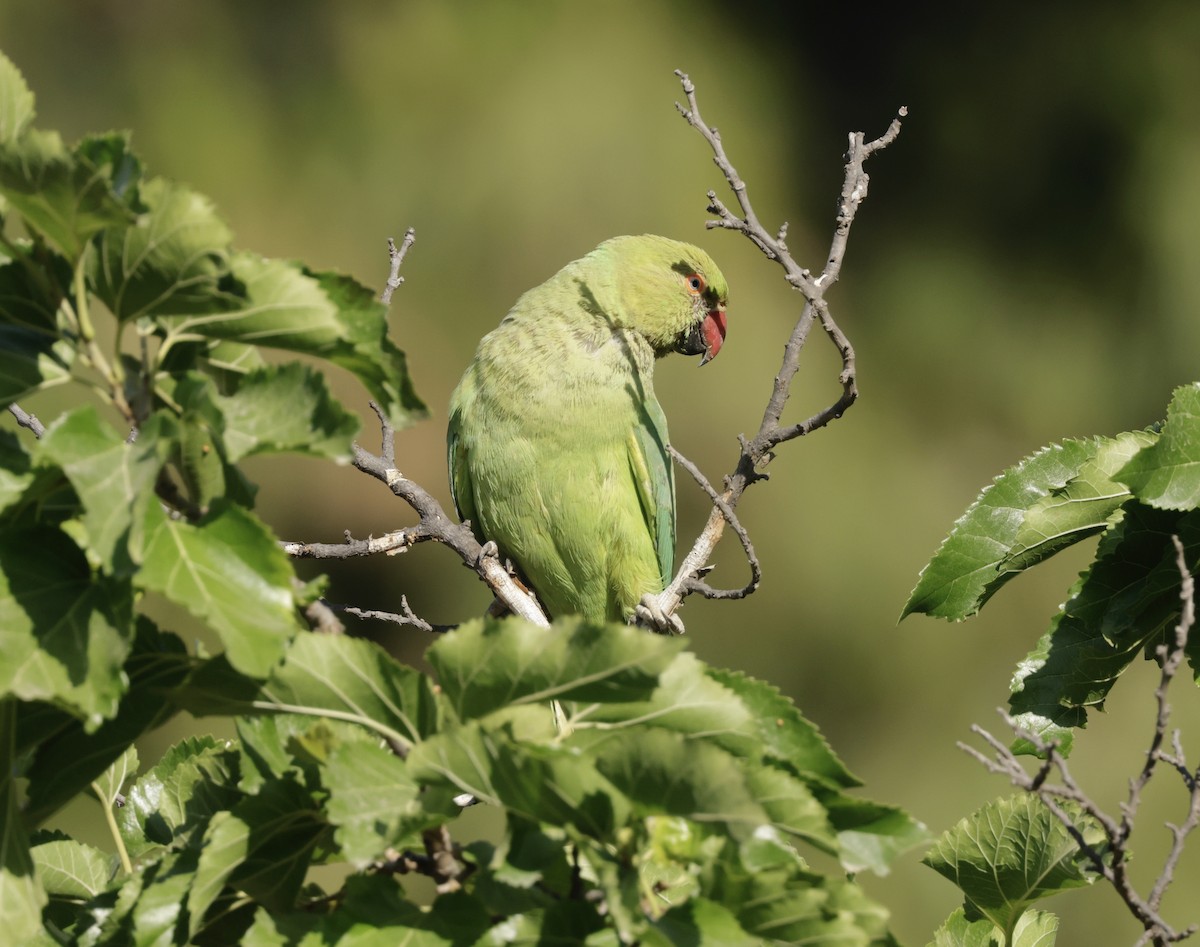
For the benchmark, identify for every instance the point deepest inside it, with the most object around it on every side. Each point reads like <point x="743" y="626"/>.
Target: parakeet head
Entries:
<point x="672" y="293"/>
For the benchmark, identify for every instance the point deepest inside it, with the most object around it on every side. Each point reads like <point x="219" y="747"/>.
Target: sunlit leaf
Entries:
<point x="70" y="869"/>
<point x="285" y="408"/>
<point x="373" y="801"/>
<point x="344" y="678"/>
<point x="1081" y="508"/>
<point x="967" y="570"/>
<point x="1166" y="474"/>
<point x="194" y="779"/>
<point x="168" y="260"/>
<point x="229" y="571"/>
<point x="16" y="102"/>
<point x="112" y="477"/>
<point x="1009" y="854"/>
<point x="484" y="665"/>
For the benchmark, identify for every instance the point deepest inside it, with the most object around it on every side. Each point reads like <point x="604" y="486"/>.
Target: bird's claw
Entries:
<point x="650" y="614"/>
<point x="487" y="549"/>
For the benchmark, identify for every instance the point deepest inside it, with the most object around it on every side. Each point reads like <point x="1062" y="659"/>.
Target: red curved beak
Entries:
<point x="713" y="330"/>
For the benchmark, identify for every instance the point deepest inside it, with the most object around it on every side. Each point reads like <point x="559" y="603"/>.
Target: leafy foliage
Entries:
<point x="637" y="795"/>
<point x="1135" y="491"/>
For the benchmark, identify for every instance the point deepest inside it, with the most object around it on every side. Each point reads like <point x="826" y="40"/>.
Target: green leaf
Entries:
<point x="66" y="756"/>
<point x="1166" y="474"/>
<point x="1119" y="607"/>
<point x="536" y="781"/>
<point x="484" y="665"/>
<point x="70" y="869"/>
<point x="15" y="473"/>
<point x="279" y="829"/>
<point x="1009" y="854"/>
<point x="368" y="351"/>
<point x="32" y="287"/>
<point x="967" y="570"/>
<point x="167" y="261"/>
<point x="64" y="632"/>
<point x="700" y="922"/>
<point x="787" y="737"/>
<point x="16" y="102"/>
<point x="688" y="700"/>
<point x="194" y="779"/>
<point x="108" y="785"/>
<point x="334" y="676"/>
<point x="61" y="195"/>
<point x="665" y="773"/>
<point x="1033" y="929"/>
<point x="21" y="894"/>
<point x="30" y="360"/>
<point x="286" y="306"/>
<point x="871" y="836"/>
<point x="275" y="304"/>
<point x="1081" y="508"/>
<point x="373" y="801"/>
<point x="112" y="478"/>
<point x="285" y="408"/>
<point x="229" y="571"/>
<point x="957" y="931"/>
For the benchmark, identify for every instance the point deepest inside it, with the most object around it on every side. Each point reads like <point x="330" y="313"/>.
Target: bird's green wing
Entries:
<point x="460" y="476"/>
<point x="655" y="479"/>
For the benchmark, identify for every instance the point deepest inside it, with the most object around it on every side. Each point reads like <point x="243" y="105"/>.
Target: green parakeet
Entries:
<point x="557" y="444"/>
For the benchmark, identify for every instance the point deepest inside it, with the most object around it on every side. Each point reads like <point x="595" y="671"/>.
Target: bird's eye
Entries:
<point x="695" y="284"/>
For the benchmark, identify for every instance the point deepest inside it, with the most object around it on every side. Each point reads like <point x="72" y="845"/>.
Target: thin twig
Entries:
<point x="1112" y="864"/>
<point x="26" y="420"/>
<point x="396" y="256"/>
<point x="437" y="526"/>
<point x="757" y="452"/>
<point x="697" y="585"/>
<point x="406" y="616"/>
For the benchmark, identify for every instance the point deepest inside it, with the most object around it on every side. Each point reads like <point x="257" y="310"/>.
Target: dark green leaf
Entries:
<point x="1166" y="474"/>
<point x="1118" y="608"/>
<point x="967" y="570"/>
<point x="229" y="571"/>
<point x="21" y="893"/>
<point x="64" y="632"/>
<point x="870" y="835"/>
<point x="68" y="757"/>
<point x="484" y="665"/>
<point x="15" y="473"/>
<point x="61" y="195"/>
<point x="30" y="360"/>
<point x="32" y="287"/>
<point x="537" y="781"/>
<point x="699" y="922"/>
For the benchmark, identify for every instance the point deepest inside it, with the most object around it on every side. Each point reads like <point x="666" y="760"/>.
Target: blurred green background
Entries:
<point x="1025" y="270"/>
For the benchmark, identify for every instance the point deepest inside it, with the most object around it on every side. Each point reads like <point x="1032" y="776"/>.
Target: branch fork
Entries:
<point x="755" y="452"/>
